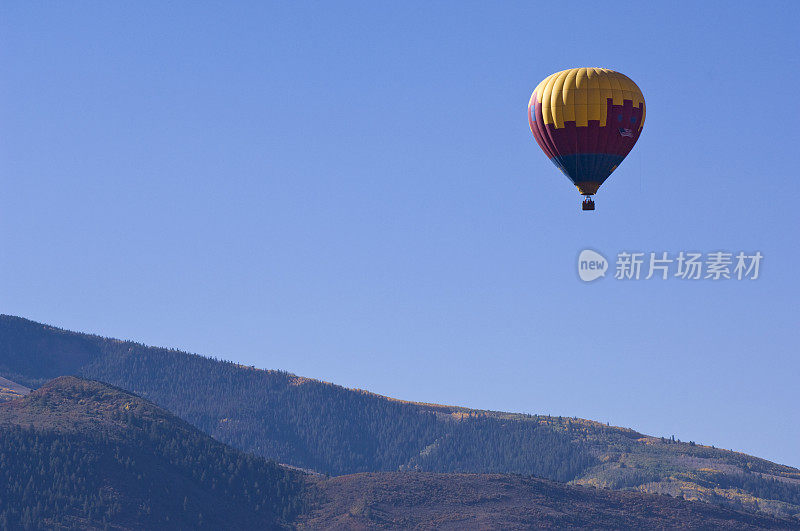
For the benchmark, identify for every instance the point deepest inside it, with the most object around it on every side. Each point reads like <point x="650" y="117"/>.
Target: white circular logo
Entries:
<point x="591" y="265"/>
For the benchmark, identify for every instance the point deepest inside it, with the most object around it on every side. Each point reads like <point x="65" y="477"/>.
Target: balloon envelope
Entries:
<point x="586" y="120"/>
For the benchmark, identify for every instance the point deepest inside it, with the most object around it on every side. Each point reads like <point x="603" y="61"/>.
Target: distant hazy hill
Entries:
<point x="82" y="455"/>
<point x="333" y="430"/>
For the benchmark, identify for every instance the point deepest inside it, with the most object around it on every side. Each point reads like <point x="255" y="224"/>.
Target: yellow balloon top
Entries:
<point x="581" y="94"/>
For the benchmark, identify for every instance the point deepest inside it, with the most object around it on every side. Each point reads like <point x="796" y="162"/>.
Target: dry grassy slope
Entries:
<point x="10" y="390"/>
<point x="73" y="405"/>
<point x="632" y="461"/>
<point x="695" y="472"/>
<point x="405" y="500"/>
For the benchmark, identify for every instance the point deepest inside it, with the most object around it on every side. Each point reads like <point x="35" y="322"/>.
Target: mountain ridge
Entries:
<point x="82" y="454"/>
<point x="330" y="429"/>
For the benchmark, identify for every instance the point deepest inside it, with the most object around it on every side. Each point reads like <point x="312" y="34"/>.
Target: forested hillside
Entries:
<point x="333" y="430"/>
<point x="81" y="454"/>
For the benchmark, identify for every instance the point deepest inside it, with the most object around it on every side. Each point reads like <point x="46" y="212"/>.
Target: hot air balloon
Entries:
<point x="586" y="120"/>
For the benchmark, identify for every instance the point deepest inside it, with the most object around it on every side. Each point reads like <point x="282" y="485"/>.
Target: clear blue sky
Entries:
<point x="349" y="191"/>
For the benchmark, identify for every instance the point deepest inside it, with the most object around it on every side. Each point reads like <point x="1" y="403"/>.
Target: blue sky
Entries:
<point x="349" y="191"/>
